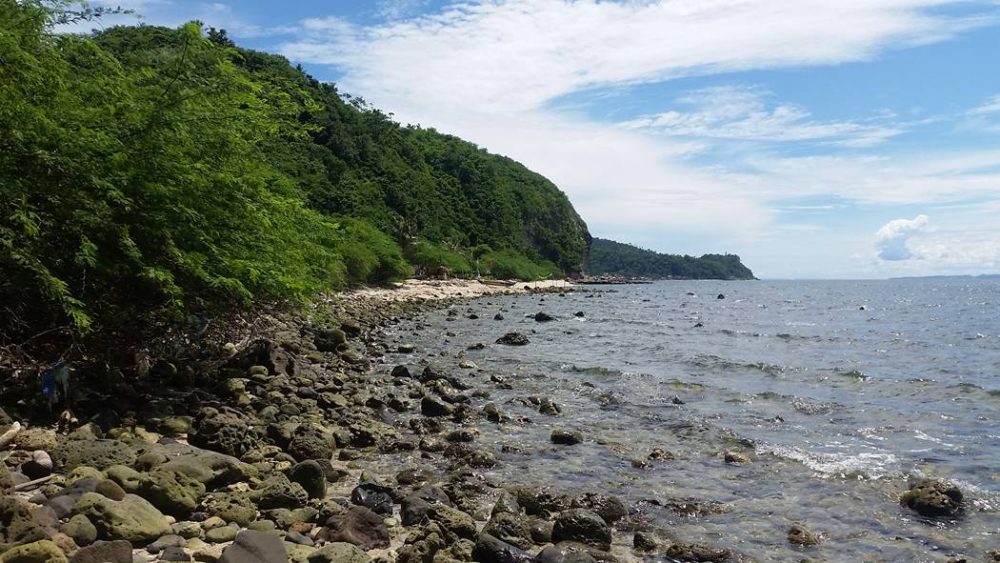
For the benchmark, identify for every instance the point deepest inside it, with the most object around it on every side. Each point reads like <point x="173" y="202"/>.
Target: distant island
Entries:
<point x="610" y="258"/>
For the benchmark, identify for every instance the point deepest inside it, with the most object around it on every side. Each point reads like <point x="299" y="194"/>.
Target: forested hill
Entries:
<point x="150" y="174"/>
<point x="608" y="257"/>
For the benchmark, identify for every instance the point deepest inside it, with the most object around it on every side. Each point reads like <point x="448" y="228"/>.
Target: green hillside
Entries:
<point x="608" y="257"/>
<point x="149" y="174"/>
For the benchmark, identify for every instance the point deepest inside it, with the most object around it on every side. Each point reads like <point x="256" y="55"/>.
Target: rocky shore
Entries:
<point x="298" y="444"/>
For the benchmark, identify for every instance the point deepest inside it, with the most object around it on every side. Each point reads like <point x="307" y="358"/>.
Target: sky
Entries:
<point x="814" y="138"/>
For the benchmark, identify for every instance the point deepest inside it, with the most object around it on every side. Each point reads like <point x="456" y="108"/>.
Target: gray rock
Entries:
<point x="339" y="552"/>
<point x="491" y="550"/>
<point x="582" y="525"/>
<point x="255" y="547"/>
<point x="563" y="554"/>
<point x="358" y="526"/>
<point x="133" y="519"/>
<point x="99" y="454"/>
<point x="278" y="492"/>
<point x="119" y="551"/>
<point x="513" y="339"/>
<point x="698" y="552"/>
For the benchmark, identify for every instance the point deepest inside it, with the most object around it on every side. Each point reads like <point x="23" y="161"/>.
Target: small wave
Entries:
<point x="862" y="466"/>
<point x="808" y="408"/>
<point x="718" y="363"/>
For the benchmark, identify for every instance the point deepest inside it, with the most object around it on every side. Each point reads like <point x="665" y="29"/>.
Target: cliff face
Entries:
<point x="608" y="257"/>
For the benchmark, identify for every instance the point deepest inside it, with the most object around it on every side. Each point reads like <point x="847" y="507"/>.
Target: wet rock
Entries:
<point x="582" y="526"/>
<point x="540" y="530"/>
<point x="933" y="498"/>
<point x="429" y="406"/>
<point x="339" y="552"/>
<point x="80" y="529"/>
<point x="311" y="476"/>
<point x="453" y="520"/>
<point x="359" y="526"/>
<point x="643" y="541"/>
<point x="498" y="317"/>
<point x="492" y="550"/>
<point x="352" y="328"/>
<point x="509" y="528"/>
<point x="506" y="503"/>
<point x="133" y="518"/>
<point x="579" y="314"/>
<point x="609" y="508"/>
<point x="543" y="317"/>
<point x="513" y="339"/>
<point x="697" y="552"/>
<point x="539" y="501"/>
<point x="800" y="535"/>
<point x="255" y="547"/>
<point x="413" y="509"/>
<point x="549" y="407"/>
<point x="736" y="458"/>
<point x="119" y="551"/>
<point x="566" y="437"/>
<point x="563" y="554"/>
<point x="375" y="497"/>
<point x="99" y="454"/>
<point x="43" y="551"/>
<point x="328" y="339"/>
<point x="660" y="454"/>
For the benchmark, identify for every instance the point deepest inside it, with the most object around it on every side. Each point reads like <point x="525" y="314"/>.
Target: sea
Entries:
<point x="842" y="393"/>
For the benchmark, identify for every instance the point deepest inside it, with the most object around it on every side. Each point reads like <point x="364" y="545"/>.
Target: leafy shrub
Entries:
<point x="428" y="257"/>
<point x="510" y="264"/>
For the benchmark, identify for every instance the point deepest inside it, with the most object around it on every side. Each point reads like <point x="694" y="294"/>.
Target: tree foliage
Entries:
<point x="147" y="174"/>
<point x="608" y="257"/>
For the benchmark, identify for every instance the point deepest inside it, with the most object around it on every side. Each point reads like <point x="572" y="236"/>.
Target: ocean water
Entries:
<point x="842" y="392"/>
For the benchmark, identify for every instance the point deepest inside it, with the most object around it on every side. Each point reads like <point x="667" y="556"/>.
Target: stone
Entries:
<point x="222" y="534"/>
<point x="933" y="498"/>
<point x="165" y="542"/>
<point x="563" y="554"/>
<point x="224" y="430"/>
<point x="328" y="339"/>
<point x="42" y="551"/>
<point x="359" y="526"/>
<point x="453" y="520"/>
<point x="566" y="437"/>
<point x="80" y="529"/>
<point x="298" y="538"/>
<point x="513" y="339"/>
<point x="32" y="439"/>
<point x="510" y="528"/>
<point x="308" y="442"/>
<point x="698" y="552"/>
<point x="429" y="406"/>
<point x="174" y="553"/>
<point x="119" y="551"/>
<point x="110" y="489"/>
<point x="542" y="317"/>
<point x="549" y="407"/>
<point x="126" y="477"/>
<point x="231" y="507"/>
<point x="491" y="550"/>
<point x="277" y="491"/>
<point x="40" y="465"/>
<point x="133" y="518"/>
<point x="339" y="552"/>
<point x="800" y="535"/>
<point x="582" y="525"/>
<point x="607" y="507"/>
<point x="99" y="454"/>
<point x="311" y="476"/>
<point x="173" y="493"/>
<point x="643" y="541"/>
<point x="6" y="481"/>
<point x="736" y="458"/>
<point x="373" y="496"/>
<point x="21" y="523"/>
<point x="255" y="547"/>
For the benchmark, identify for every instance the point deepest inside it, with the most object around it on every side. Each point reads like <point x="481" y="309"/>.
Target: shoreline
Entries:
<point x="417" y="290"/>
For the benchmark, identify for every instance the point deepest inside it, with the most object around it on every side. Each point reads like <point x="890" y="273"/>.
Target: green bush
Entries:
<point x="369" y="254"/>
<point x="510" y="264"/>
<point x="428" y="257"/>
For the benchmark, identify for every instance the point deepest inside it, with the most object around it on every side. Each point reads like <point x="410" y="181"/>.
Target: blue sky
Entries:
<point x="857" y="138"/>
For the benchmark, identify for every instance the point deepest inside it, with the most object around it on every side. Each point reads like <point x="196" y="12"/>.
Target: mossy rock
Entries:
<point x="43" y="551"/>
<point x="99" y="454"/>
<point x="132" y="519"/>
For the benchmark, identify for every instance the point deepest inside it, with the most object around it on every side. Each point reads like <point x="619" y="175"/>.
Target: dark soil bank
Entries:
<point x="298" y="444"/>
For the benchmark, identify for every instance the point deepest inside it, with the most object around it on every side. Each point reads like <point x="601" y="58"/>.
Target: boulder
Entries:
<point x="491" y="550"/>
<point x="933" y="498"/>
<point x="119" y="551"/>
<point x="510" y="528"/>
<point x="566" y="437"/>
<point x="373" y="496"/>
<point x="174" y="493"/>
<point x="358" y="526"/>
<point x="255" y="547"/>
<point x="429" y="406"/>
<point x="42" y="551"/>
<point x="607" y="507"/>
<point x="339" y="552"/>
<point x="224" y="430"/>
<point x="310" y="442"/>
<point x="328" y="339"/>
<point x="133" y="518"/>
<point x="232" y="507"/>
<point x="20" y="523"/>
<point x="582" y="525"/>
<point x="99" y="454"/>
<point x="311" y="476"/>
<point x="277" y="491"/>
<point x="453" y="520"/>
<point x="80" y="529"/>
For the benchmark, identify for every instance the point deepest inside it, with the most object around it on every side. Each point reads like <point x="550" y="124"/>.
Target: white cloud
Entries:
<point x="742" y="113"/>
<point x="891" y="239"/>
<point x="992" y="106"/>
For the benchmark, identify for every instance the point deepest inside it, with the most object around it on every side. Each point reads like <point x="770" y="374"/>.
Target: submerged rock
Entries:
<point x="933" y="498"/>
<point x="698" y="552"/>
<point x="566" y="437"/>
<point x="513" y="339"/>
<point x="800" y="535"/>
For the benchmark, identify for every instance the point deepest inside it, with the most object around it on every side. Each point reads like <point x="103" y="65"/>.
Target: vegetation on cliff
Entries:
<point x="150" y="174"/>
<point x="608" y="257"/>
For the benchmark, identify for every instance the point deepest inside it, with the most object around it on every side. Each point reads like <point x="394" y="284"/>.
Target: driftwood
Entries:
<point x="8" y="436"/>
<point x="32" y="484"/>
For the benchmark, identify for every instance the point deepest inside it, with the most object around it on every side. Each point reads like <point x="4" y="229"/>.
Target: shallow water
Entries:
<point x="842" y="392"/>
